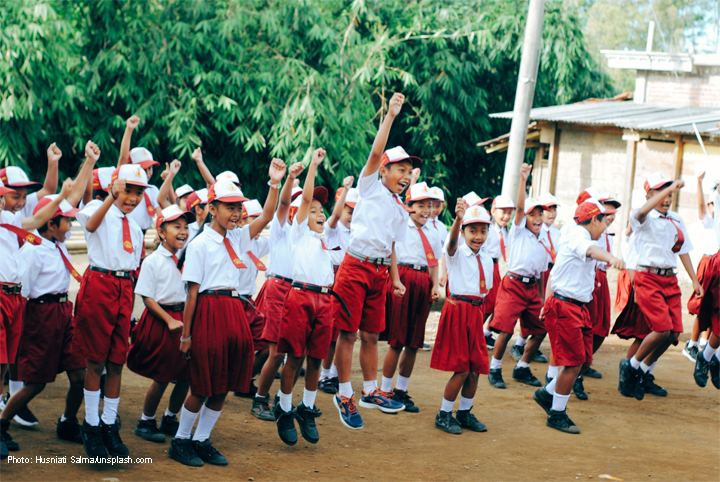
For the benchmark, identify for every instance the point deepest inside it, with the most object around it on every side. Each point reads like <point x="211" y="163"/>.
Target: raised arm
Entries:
<point x="414" y="176"/>
<point x="309" y="187"/>
<point x="460" y="208"/>
<point x="204" y="171"/>
<point x="51" y="179"/>
<point x="166" y="188"/>
<point x="702" y="209"/>
<point x="522" y="192"/>
<point x="378" y="147"/>
<point x="92" y="154"/>
<point x="46" y="213"/>
<point x="286" y="193"/>
<point x="130" y="126"/>
<point x="277" y="171"/>
<point x="340" y="203"/>
<point x="117" y="191"/>
<point x="657" y="199"/>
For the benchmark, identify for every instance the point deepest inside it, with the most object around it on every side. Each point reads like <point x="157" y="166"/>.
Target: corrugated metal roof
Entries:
<point x="629" y="115"/>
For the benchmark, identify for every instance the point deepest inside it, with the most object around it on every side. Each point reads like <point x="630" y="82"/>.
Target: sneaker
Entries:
<point x="538" y="357"/>
<point x="468" y="420"/>
<point x="426" y="347"/>
<point x="69" y="430"/>
<point x="285" y="425"/>
<point x="650" y="387"/>
<point x="208" y="453"/>
<point x="690" y="352"/>
<point x="348" y="411"/>
<point x="5" y="437"/>
<point x="715" y="372"/>
<point x="579" y="389"/>
<point x="401" y="396"/>
<point x="93" y="441"/>
<point x="592" y="373"/>
<point x="490" y="341"/>
<point x="702" y="368"/>
<point x="447" y="423"/>
<point x="249" y="394"/>
<point x="306" y="420"/>
<point x="525" y="375"/>
<point x="183" y="451"/>
<point x="560" y="421"/>
<point x="111" y="439"/>
<point x="517" y="352"/>
<point x="260" y="409"/>
<point x="148" y="430"/>
<point x="639" y="388"/>
<point x="626" y="378"/>
<point x="329" y="385"/>
<point x="547" y="379"/>
<point x="24" y="417"/>
<point x="495" y="378"/>
<point x="379" y="399"/>
<point x="543" y="398"/>
<point x="169" y="425"/>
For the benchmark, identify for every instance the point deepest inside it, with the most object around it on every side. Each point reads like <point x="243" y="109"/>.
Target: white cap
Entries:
<point x="104" y="177"/>
<point x="437" y="193"/>
<point x="352" y="197"/>
<point x="64" y="207"/>
<point x="503" y="202"/>
<point x="183" y="190"/>
<point x="296" y="191"/>
<point x="655" y="181"/>
<point x="590" y="192"/>
<point x="131" y="173"/>
<point x="397" y="154"/>
<point x="532" y="203"/>
<point x="171" y="213"/>
<point x="252" y="208"/>
<point x="202" y="194"/>
<point x="13" y="176"/>
<point x="225" y="191"/>
<point x="418" y="192"/>
<point x="476" y="214"/>
<point x="547" y="199"/>
<point x="473" y="199"/>
<point x="142" y="156"/>
<point x="227" y="176"/>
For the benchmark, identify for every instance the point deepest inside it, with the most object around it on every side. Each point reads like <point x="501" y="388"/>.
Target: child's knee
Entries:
<point x="369" y="338"/>
<point x="114" y="368"/>
<point x="76" y="378"/>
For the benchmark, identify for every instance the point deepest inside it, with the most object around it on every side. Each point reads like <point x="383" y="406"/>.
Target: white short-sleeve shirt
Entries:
<point x="573" y="274"/>
<point x="246" y="281"/>
<point x="311" y="263"/>
<point x="12" y="266"/>
<point x="160" y="279"/>
<point x="411" y="250"/>
<point x="338" y="236"/>
<point x="492" y="243"/>
<point x="140" y="214"/>
<point x="464" y="272"/>
<point x="655" y="238"/>
<point x="105" y="245"/>
<point x="440" y="227"/>
<point x="605" y="243"/>
<point x="527" y="253"/>
<point x="280" y="256"/>
<point x="629" y="252"/>
<point x="208" y="263"/>
<point x="45" y="271"/>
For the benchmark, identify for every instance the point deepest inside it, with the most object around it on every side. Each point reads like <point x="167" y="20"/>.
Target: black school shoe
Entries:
<point x="208" y="453"/>
<point x="285" y="425"/>
<point x="69" y="430"/>
<point x="560" y="421"/>
<point x="447" y="423"/>
<point x="306" y="420"/>
<point x="544" y="399"/>
<point x="649" y="386"/>
<point x="148" y="430"/>
<point x="525" y="375"/>
<point x="169" y="425"/>
<point x="329" y="385"/>
<point x="111" y="439"/>
<point x="579" y="389"/>
<point x="93" y="441"/>
<point x="592" y="373"/>
<point x="401" y="396"/>
<point x="517" y="352"/>
<point x="495" y="378"/>
<point x="627" y="378"/>
<point x="639" y="384"/>
<point x="5" y="437"/>
<point x="3" y="451"/>
<point x="182" y="450"/>
<point x="467" y="420"/>
<point x="715" y="372"/>
<point x="702" y="368"/>
<point x="538" y="357"/>
<point x="490" y="341"/>
<point x="24" y="417"/>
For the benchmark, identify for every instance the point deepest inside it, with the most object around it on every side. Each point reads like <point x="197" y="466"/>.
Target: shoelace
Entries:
<point x="352" y="407"/>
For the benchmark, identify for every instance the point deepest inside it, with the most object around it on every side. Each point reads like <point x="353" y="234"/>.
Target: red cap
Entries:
<point x="14" y="176"/>
<point x="65" y="209"/>
<point x="587" y="209"/>
<point x="320" y="194"/>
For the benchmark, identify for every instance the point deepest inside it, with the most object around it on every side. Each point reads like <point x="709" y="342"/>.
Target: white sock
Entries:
<point x="522" y="364"/>
<point x="15" y="385"/>
<point x="168" y="413"/>
<point x="369" y="386"/>
<point x="495" y="363"/>
<point x="63" y="417"/>
<point x="447" y="405"/>
<point x="309" y="397"/>
<point x="520" y="341"/>
<point x="550" y="387"/>
<point x="703" y="341"/>
<point x="560" y="402"/>
<point x="487" y="332"/>
<point x="285" y="401"/>
<point x="692" y="344"/>
<point x="345" y="389"/>
<point x="386" y="384"/>
<point x="708" y="352"/>
<point x="92" y="407"/>
<point x="466" y="403"/>
<point x="186" y="422"/>
<point x="402" y="383"/>
<point x="644" y="367"/>
<point x="552" y="371"/>
<point x="324" y="373"/>
<point x="635" y="363"/>
<point x="652" y="367"/>
<point x="110" y="410"/>
<point x="333" y="371"/>
<point x="145" y="417"/>
<point x="208" y="417"/>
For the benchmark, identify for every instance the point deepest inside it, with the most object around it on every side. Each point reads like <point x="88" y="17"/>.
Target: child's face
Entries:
<point x="535" y="220"/>
<point x="549" y="215"/>
<point x="134" y="197"/>
<point x="174" y="234"/>
<point x="227" y="215"/>
<point x="346" y="216"/>
<point x="149" y="172"/>
<point x="422" y="209"/>
<point x="15" y="201"/>
<point x="663" y="207"/>
<point x="200" y="213"/>
<point x="437" y="208"/>
<point x="396" y="176"/>
<point x="596" y="228"/>
<point x="182" y="203"/>
<point x="502" y="215"/>
<point x="316" y="217"/>
<point x="610" y="217"/>
<point x="475" y="235"/>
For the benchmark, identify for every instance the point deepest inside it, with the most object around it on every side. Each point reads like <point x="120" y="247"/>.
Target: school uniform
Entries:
<point x="405" y="317"/>
<point x="440" y="227"/>
<point x="492" y="248"/>
<point x="338" y="236"/>
<point x="599" y="306"/>
<point x="279" y="278"/>
<point x="144" y="213"/>
<point x="709" y="308"/>
<point x="693" y="305"/>
<point x="630" y="323"/>
<point x="154" y="350"/>
<point x="12" y="268"/>
<point x="246" y="287"/>
<point x="550" y="238"/>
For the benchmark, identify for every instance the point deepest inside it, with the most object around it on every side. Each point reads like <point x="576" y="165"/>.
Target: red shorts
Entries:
<point x="306" y="326"/>
<point x="599" y="306"/>
<point x="46" y="341"/>
<point x="260" y="298"/>
<point x="460" y="343"/>
<point x="11" y="316"/>
<point x="489" y="304"/>
<point x="102" y="318"/>
<point x="273" y="300"/>
<point x="362" y="286"/>
<point x="515" y="300"/>
<point x="405" y="317"/>
<point x="693" y="304"/>
<point x="256" y="320"/>
<point x="659" y="298"/>
<point x="624" y="291"/>
<point x="709" y="311"/>
<point x="570" y="331"/>
<point x="222" y="348"/>
<point x="155" y="351"/>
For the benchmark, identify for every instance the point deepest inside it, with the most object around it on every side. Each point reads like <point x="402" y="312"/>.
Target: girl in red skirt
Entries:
<point x="405" y="317"/>
<point x="460" y="344"/>
<point x="155" y="339"/>
<point x="216" y="336"/>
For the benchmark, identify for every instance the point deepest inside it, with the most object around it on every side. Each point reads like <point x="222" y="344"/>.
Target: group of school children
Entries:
<point x="373" y="269"/>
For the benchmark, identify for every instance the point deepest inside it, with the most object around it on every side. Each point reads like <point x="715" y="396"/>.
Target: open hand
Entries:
<point x="701" y="176"/>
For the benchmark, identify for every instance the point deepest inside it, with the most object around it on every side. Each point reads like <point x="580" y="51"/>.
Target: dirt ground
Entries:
<point x="675" y="438"/>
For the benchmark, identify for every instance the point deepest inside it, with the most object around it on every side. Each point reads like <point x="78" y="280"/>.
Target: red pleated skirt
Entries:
<point x="631" y="323"/>
<point x="693" y="304"/>
<point x="489" y="304"/>
<point x="405" y="317"/>
<point x="709" y="310"/>
<point x="599" y="306"/>
<point x="155" y="351"/>
<point x="460" y="344"/>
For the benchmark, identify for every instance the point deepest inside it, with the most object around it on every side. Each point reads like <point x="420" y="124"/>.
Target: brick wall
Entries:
<point x="697" y="88"/>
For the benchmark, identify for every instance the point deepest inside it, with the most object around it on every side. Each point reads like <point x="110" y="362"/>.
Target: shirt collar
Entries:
<point x="655" y="214"/>
<point x="214" y="235"/>
<point x="163" y="251"/>
<point x="465" y="249"/>
<point x="116" y="211"/>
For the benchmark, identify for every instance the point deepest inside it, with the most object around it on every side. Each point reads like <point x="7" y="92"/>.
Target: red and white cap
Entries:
<point x="476" y="214"/>
<point x="228" y="176"/>
<point x="296" y="191"/>
<point x="131" y="173"/>
<point x="65" y="209"/>
<point x="591" y="192"/>
<point x="473" y="199"/>
<point x="252" y="208"/>
<point x="532" y="203"/>
<point x="294" y="206"/>
<point x="351" y="198"/>
<point x="171" y="213"/>
<point x="606" y="198"/>
<point x="5" y="190"/>
<point x="418" y="192"/>
<point x="547" y="200"/>
<point x="102" y="178"/>
<point x="13" y="176"/>
<point x="398" y="154"/>
<point x="656" y="181"/>
<point x="183" y="190"/>
<point x="143" y="157"/>
<point x="503" y="202"/>
<point x="197" y="197"/>
<point x="589" y="208"/>
<point x="437" y="193"/>
<point x="226" y="192"/>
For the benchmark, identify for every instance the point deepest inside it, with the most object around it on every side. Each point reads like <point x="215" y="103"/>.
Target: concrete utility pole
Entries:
<point x="523" y="97"/>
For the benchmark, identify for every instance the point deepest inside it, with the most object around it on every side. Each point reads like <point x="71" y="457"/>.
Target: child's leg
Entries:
<point x="343" y="361"/>
<point x="312" y="373"/>
<point x="695" y="334"/>
<point x="269" y="369"/>
<point x="407" y="363"/>
<point x="287" y="380"/>
<point x="648" y="345"/>
<point x="75" y="393"/>
<point x="633" y="348"/>
<point x="369" y="359"/>
<point x="261" y="357"/>
<point x="597" y="342"/>
<point x="453" y="387"/>
<point x="21" y="398"/>
<point x="113" y="381"/>
<point x="552" y="371"/>
<point x="209" y="414"/>
<point x="152" y="399"/>
<point x="469" y="389"/>
<point x="92" y="392"/>
<point x="654" y="355"/>
<point x="531" y="346"/>
<point x="389" y="365"/>
<point x="178" y="396"/>
<point x="327" y="363"/>
<point x="500" y="344"/>
<point x="188" y="415"/>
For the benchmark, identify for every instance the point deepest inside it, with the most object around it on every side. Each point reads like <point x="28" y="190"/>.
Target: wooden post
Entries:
<point x="553" y="159"/>
<point x="679" y="148"/>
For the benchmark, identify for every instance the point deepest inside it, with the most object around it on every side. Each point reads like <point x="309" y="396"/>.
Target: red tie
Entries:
<point x="550" y="251"/>
<point x="234" y="257"/>
<point x="175" y="260"/>
<point x="127" y="239"/>
<point x="431" y="260"/>
<point x="397" y="200"/>
<point x="502" y="245"/>
<point x="680" y="236"/>
<point x="69" y="267"/>
<point x="322" y="242"/>
<point x="149" y="206"/>
<point x="256" y="260"/>
<point x="434" y="225"/>
<point x="22" y="235"/>
<point x="483" y="287"/>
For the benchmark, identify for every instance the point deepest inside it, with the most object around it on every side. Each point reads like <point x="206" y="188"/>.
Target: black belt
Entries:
<point x="323" y="290"/>
<point x="466" y="299"/>
<point x="657" y="271"/>
<point x="416" y="267"/>
<point x="282" y="278"/>
<point x="569" y="300"/>
<point x="523" y="279"/>
<point x="174" y="308"/>
<point x="496" y="260"/>
<point x="230" y="293"/>
<point x="117" y="274"/>
<point x="11" y="289"/>
<point x="367" y="259"/>
<point x="50" y="298"/>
